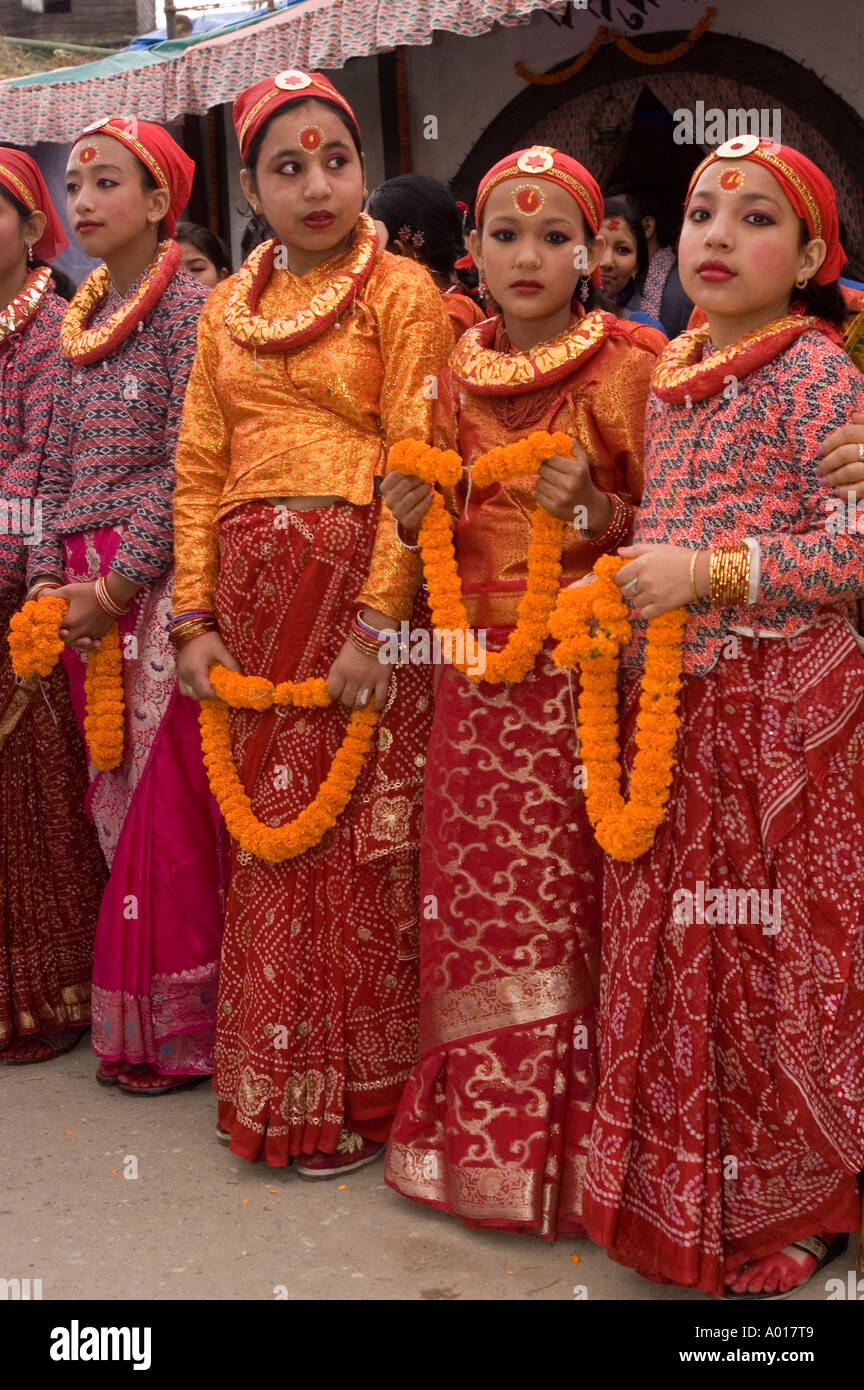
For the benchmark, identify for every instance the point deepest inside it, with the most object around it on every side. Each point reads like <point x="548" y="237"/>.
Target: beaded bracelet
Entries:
<point x="617" y="529"/>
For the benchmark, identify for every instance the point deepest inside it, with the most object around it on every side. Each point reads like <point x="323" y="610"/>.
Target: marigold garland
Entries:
<point x="104" y="702"/>
<point x="277" y="843"/>
<point x="605" y="34"/>
<point x="624" y="829"/>
<point x="520" y="651"/>
<point x="35" y="645"/>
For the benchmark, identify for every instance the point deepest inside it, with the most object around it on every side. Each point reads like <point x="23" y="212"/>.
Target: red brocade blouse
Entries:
<point x="592" y="383"/>
<point x="741" y="464"/>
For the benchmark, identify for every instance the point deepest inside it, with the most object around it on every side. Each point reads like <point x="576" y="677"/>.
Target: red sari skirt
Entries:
<point x="730" y="1114"/>
<point x="318" y="987"/>
<point x="51" y="868"/>
<point x="493" y="1126"/>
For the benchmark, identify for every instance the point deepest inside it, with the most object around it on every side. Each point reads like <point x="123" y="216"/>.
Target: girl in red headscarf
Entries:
<point x="127" y="341"/>
<point x="316" y="355"/>
<point x="729" y="1127"/>
<point x="51" y="868"/>
<point x="493" y="1125"/>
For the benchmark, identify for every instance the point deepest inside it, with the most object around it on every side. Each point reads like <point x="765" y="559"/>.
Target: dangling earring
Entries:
<point x="584" y="288"/>
<point x="802" y="282"/>
<point x="29" y="253"/>
<point x="365" y="192"/>
<point x="483" y="289"/>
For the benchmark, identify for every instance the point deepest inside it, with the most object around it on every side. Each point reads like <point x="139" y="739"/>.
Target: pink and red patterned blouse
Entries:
<point x="741" y="465"/>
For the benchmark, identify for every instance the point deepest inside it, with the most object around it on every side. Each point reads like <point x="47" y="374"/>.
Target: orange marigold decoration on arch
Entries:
<point x="277" y="843"/>
<point x="625" y="829"/>
<point x="520" y="651"/>
<point x="35" y="645"/>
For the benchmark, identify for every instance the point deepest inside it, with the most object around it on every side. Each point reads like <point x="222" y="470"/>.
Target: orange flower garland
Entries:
<point x="520" y="651"/>
<point x="104" y="703"/>
<point x="624" y="829"/>
<point x="35" y="645"/>
<point x="277" y="843"/>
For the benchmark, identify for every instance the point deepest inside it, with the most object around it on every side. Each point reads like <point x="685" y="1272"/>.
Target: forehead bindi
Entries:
<point x="101" y="152"/>
<point x="742" y="183"/>
<point x="306" y="127"/>
<point x="555" y="204"/>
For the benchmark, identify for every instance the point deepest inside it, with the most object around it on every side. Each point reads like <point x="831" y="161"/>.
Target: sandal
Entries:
<point x="58" y="1044"/>
<point x="822" y="1250"/>
<point x="352" y="1152"/>
<point x="109" y="1073"/>
<point x="154" y="1083"/>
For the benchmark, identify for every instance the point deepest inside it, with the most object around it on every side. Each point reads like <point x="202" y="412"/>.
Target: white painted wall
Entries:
<point x="467" y="82"/>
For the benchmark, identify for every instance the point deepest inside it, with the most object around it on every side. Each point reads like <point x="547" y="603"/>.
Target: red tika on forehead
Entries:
<point x="528" y="198"/>
<point x="731" y="179"/>
<point x="310" y="138"/>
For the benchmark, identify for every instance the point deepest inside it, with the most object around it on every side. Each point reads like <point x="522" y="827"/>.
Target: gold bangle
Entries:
<point x="694" y="557"/>
<point x="187" y="632"/>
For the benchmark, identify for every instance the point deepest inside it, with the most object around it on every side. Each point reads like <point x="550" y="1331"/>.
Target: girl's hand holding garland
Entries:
<point x="85" y="624"/>
<point x="194" y="661"/>
<point x="35" y="645"/>
<point x="563" y="484"/>
<point x="418" y="460"/>
<point x="408" y="498"/>
<point x="661" y="574"/>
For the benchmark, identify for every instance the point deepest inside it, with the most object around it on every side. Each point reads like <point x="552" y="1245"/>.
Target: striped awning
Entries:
<point x="189" y="76"/>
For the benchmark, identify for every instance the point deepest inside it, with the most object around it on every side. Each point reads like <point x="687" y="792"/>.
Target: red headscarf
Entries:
<point x="256" y="104"/>
<point x="20" y="175"/>
<point x="170" y="166"/>
<point x="542" y="162"/>
<point x="808" y="190"/>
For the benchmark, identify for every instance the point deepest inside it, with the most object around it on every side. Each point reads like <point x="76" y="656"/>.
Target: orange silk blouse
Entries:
<point x="313" y="421"/>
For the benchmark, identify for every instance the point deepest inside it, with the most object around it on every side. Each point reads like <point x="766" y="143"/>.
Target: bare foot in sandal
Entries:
<point x="772" y="1276"/>
<point x="22" y="1052"/>
<point x="148" y="1082"/>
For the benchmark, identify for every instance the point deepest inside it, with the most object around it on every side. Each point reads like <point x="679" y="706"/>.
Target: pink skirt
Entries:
<point x="158" y="937"/>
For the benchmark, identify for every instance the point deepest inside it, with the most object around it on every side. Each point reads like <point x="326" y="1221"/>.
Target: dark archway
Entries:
<point x="721" y="55"/>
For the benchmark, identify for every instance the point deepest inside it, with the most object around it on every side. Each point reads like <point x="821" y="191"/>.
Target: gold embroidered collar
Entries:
<point x="252" y="330"/>
<point x="684" y="372"/>
<point x="477" y="365"/>
<point x="20" y="310"/>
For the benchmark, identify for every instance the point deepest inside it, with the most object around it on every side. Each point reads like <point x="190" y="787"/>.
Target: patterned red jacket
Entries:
<point x="27" y="363"/>
<point x="109" y="458"/>
<point x="742" y="464"/>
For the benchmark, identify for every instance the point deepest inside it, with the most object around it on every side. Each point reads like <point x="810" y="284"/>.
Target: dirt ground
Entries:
<point x="198" y="1223"/>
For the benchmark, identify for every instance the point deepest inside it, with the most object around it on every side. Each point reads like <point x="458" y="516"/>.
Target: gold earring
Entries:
<point x="365" y="191"/>
<point x="802" y="282"/>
